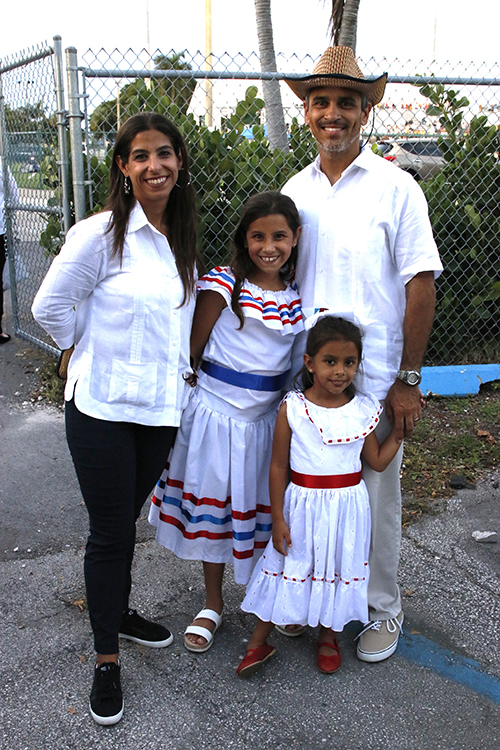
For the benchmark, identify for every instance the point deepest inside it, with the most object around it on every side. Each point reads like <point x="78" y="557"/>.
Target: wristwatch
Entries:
<point x="410" y="377"/>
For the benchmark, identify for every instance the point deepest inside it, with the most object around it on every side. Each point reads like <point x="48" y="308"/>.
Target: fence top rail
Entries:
<point x="445" y="80"/>
<point x="272" y="76"/>
<point x="40" y="55"/>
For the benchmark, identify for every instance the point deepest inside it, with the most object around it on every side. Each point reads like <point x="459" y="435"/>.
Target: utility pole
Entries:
<point x="147" y="81"/>
<point x="208" y="63"/>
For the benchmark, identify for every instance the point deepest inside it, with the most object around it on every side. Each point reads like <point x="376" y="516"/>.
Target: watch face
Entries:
<point x="412" y="378"/>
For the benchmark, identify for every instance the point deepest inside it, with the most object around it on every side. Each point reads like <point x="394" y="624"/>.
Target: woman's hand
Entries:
<point x="281" y="537"/>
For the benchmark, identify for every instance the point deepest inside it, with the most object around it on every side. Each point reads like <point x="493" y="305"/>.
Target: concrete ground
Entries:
<point x="440" y="691"/>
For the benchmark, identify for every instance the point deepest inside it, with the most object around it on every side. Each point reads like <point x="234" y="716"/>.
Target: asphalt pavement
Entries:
<point x="440" y="691"/>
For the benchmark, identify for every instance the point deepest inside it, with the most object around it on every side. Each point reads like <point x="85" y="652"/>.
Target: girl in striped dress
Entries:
<point x="212" y="502"/>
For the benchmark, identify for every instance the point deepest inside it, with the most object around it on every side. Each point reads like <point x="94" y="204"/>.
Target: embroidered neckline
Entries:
<point x="332" y="441"/>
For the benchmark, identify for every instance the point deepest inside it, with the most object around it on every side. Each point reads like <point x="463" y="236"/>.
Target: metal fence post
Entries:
<point x="75" y="132"/>
<point x="62" y="131"/>
<point x="87" y="141"/>
<point x="9" y="245"/>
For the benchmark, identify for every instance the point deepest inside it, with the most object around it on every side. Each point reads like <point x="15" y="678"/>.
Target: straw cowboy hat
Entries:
<point x="338" y="67"/>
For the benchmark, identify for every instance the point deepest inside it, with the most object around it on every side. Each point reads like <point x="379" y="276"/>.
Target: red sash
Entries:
<point x="326" y="482"/>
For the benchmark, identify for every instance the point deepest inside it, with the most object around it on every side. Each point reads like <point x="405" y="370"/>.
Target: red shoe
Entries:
<point x="328" y="663"/>
<point x="253" y="658"/>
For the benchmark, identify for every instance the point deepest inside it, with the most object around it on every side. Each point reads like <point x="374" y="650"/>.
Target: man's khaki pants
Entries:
<point x="384" y="489"/>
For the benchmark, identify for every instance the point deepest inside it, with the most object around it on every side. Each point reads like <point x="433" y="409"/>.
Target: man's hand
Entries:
<point x="403" y="405"/>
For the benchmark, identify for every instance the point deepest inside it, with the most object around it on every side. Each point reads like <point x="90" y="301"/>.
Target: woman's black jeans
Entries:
<point x="117" y="465"/>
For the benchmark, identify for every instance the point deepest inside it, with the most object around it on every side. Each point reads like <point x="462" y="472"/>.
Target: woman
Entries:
<point x="122" y="291"/>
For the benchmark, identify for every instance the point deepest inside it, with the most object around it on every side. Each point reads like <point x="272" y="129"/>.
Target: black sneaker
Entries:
<point x="136" y="628"/>
<point x="106" y="699"/>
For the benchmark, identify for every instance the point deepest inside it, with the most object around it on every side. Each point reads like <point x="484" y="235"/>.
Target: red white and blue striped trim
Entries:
<point x="209" y="518"/>
<point x="275" y="309"/>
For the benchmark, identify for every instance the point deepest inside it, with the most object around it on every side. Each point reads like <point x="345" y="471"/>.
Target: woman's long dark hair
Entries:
<point x="328" y="329"/>
<point x="258" y="207"/>
<point x="180" y="213"/>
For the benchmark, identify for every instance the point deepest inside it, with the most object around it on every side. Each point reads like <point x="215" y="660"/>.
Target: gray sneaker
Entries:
<point x="379" y="639"/>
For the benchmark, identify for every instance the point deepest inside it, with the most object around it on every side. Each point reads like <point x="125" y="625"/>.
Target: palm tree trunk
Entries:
<point x="344" y="22"/>
<point x="276" y="130"/>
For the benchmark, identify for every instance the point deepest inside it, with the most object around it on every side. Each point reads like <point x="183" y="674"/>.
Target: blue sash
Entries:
<point x="245" y="379"/>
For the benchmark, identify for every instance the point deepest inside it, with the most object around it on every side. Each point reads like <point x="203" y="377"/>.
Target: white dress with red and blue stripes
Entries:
<point x="212" y="503"/>
<point x="323" y="579"/>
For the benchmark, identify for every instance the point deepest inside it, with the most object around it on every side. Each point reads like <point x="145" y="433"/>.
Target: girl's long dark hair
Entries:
<point x="328" y="329"/>
<point x="180" y="212"/>
<point x="257" y="207"/>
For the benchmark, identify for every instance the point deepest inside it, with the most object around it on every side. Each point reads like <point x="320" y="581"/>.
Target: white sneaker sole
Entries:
<point x="149" y="644"/>
<point x="106" y="721"/>
<point x="374" y="656"/>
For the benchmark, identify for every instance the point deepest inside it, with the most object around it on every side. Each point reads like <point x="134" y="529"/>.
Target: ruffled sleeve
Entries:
<point x="279" y="311"/>
<point x="219" y="279"/>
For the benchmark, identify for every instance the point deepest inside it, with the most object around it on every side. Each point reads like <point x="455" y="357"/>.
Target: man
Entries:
<point x="367" y="250"/>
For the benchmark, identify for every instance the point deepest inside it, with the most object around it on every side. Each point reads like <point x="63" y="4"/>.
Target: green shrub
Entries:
<point x="464" y="208"/>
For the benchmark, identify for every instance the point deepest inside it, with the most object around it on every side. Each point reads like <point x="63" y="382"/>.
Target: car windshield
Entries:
<point x="422" y="148"/>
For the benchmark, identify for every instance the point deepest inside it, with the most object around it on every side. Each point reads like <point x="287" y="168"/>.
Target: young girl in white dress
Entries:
<point x="314" y="570"/>
<point x="212" y="503"/>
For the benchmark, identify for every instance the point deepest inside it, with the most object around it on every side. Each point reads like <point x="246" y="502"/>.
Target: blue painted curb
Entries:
<point x="458" y="669"/>
<point x="457" y="380"/>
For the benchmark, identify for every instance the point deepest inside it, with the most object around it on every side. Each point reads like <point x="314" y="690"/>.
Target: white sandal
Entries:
<point x="207" y="614"/>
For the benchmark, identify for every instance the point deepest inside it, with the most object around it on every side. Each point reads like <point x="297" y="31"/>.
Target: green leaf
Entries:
<point x="474" y="217"/>
<point x="251" y="93"/>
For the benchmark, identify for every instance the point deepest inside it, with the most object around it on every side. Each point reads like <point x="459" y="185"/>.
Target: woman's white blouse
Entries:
<point x="131" y="333"/>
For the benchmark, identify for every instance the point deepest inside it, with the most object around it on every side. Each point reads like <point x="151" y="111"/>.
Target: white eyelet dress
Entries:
<point x="323" y="579"/>
<point x="212" y="503"/>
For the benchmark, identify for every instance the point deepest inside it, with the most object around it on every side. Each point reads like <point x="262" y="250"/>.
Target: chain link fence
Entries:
<point x="31" y="131"/>
<point x="218" y="105"/>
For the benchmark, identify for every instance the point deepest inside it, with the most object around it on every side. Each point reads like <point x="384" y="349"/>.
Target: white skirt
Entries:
<point x="212" y="503"/>
<point x="323" y="579"/>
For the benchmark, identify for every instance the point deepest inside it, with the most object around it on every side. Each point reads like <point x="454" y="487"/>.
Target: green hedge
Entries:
<point x="464" y="207"/>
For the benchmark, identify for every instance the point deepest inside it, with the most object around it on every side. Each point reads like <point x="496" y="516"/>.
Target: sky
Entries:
<point x="386" y="29"/>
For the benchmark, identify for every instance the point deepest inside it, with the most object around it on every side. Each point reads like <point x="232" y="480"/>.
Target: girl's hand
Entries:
<point x="281" y="537"/>
<point x="191" y="378"/>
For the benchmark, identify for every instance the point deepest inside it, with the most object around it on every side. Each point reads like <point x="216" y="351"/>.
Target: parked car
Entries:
<point x="31" y="167"/>
<point x="420" y="157"/>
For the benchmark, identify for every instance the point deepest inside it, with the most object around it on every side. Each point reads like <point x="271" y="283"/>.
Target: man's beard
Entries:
<point x="337" y="147"/>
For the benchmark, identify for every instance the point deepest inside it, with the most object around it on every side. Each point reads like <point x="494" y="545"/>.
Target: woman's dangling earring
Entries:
<point x="126" y="185"/>
<point x="187" y="183"/>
